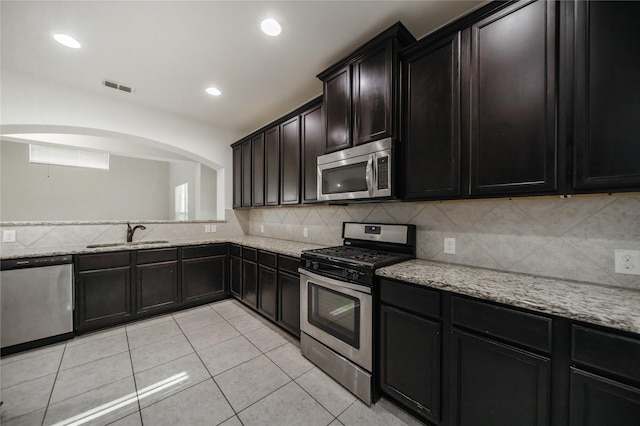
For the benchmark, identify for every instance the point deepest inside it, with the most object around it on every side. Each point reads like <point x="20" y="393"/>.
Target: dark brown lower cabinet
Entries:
<point x="289" y="302"/>
<point x="157" y="286"/>
<point x="104" y="290"/>
<point x="250" y="283"/>
<point x="235" y="280"/>
<point x="598" y="401"/>
<point x="268" y="288"/>
<point x="410" y="360"/>
<point x="204" y="272"/>
<point x="497" y="384"/>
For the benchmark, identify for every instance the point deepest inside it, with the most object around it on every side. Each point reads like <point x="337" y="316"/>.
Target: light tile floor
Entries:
<point x="215" y="364"/>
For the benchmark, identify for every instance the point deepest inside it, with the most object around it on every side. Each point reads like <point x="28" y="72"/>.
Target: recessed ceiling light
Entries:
<point x="67" y="40"/>
<point x="271" y="27"/>
<point x="214" y="91"/>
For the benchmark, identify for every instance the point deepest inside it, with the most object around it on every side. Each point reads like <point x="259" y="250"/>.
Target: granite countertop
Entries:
<point x="289" y="248"/>
<point x="607" y="306"/>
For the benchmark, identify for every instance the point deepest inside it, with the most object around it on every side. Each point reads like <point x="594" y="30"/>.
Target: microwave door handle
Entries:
<point x="369" y="175"/>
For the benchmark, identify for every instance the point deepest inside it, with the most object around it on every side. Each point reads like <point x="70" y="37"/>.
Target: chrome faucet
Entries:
<point x="131" y="231"/>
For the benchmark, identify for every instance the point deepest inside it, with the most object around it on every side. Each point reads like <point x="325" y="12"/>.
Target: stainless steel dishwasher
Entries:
<point x="37" y="301"/>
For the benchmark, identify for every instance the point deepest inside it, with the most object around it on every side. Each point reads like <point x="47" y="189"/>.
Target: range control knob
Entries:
<point x="351" y="274"/>
<point x="315" y="265"/>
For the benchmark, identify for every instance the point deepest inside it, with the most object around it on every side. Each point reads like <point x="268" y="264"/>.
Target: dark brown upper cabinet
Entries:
<point x="431" y="146"/>
<point x="237" y="176"/>
<point x="272" y="166"/>
<point x="290" y="162"/>
<point x="361" y="92"/>
<point x="312" y="147"/>
<point x="246" y="173"/>
<point x="606" y="99"/>
<point x="337" y="104"/>
<point x="512" y="101"/>
<point x="257" y="162"/>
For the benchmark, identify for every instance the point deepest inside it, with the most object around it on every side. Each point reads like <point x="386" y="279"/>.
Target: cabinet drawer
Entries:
<point x="156" y="255"/>
<point x="290" y="264"/>
<point x="87" y="262"/>
<point x="204" y="251"/>
<point x="527" y="329"/>
<point x="606" y="351"/>
<point x="267" y="259"/>
<point x="249" y="254"/>
<point x="235" y="250"/>
<point x="411" y="298"/>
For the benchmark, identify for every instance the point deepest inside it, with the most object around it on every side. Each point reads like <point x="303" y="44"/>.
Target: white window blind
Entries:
<point x="68" y="157"/>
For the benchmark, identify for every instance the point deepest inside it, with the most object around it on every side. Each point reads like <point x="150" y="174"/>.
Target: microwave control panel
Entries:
<point x="383" y="172"/>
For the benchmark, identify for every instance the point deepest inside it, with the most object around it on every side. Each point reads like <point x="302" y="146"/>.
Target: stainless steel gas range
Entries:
<point x="336" y="299"/>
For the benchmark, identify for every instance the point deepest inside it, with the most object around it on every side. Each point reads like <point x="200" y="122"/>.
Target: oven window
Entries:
<point x="343" y="179"/>
<point x="335" y="313"/>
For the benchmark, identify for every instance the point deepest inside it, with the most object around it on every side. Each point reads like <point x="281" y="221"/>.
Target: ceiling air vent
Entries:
<point x="118" y="86"/>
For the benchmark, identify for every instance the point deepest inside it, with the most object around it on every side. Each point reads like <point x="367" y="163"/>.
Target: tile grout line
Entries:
<point x="135" y="383"/>
<point x="46" y="409"/>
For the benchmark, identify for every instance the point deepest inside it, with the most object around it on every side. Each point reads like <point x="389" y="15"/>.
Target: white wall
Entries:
<point x="132" y="189"/>
<point x="30" y="105"/>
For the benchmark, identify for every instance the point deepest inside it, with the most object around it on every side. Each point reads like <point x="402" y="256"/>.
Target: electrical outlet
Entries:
<point x="261" y="228"/>
<point x="214" y="228"/>
<point x="305" y="232"/>
<point x="450" y="245"/>
<point x="207" y="228"/>
<point x="9" y="236"/>
<point x="627" y="262"/>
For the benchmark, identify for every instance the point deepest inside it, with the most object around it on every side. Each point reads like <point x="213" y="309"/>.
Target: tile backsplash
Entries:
<point x="572" y="238"/>
<point x="41" y="237"/>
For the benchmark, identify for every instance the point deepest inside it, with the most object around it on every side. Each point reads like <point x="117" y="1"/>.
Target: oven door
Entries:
<point x="339" y="315"/>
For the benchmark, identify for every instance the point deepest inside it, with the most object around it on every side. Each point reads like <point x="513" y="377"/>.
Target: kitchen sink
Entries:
<point x="135" y="243"/>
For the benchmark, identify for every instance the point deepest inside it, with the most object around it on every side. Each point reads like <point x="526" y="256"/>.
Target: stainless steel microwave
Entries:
<point x="356" y="173"/>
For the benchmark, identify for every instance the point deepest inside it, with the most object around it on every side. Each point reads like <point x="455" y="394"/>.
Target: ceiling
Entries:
<point x="171" y="51"/>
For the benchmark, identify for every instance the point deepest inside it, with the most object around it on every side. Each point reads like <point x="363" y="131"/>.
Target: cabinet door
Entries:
<point x="372" y="100"/>
<point x="495" y="384"/>
<point x="513" y="143"/>
<point x="268" y="289"/>
<point x="237" y="176"/>
<point x="598" y="401"/>
<point x="337" y="110"/>
<point x="431" y="147"/>
<point x="410" y="360"/>
<point x="257" y="161"/>
<point x="156" y="286"/>
<point x="250" y="283"/>
<point x="312" y="147"/>
<point x="203" y="278"/>
<point x="104" y="297"/>
<point x="272" y="166"/>
<point x="290" y="163"/>
<point x="289" y="302"/>
<point x="246" y="173"/>
<point x="236" y="276"/>
<point x="607" y="95"/>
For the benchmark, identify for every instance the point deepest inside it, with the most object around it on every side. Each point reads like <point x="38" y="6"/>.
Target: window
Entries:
<point x="42" y="154"/>
<point x="182" y="202"/>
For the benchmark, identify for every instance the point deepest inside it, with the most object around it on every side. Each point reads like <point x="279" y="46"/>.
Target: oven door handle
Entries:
<point x="343" y="284"/>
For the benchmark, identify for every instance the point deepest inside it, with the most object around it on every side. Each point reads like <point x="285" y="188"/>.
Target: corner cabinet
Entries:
<point x="204" y="273"/>
<point x="362" y="92"/>
<point x="512" y="83"/>
<point x="272" y="166"/>
<point x="257" y="166"/>
<point x="606" y="95"/>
